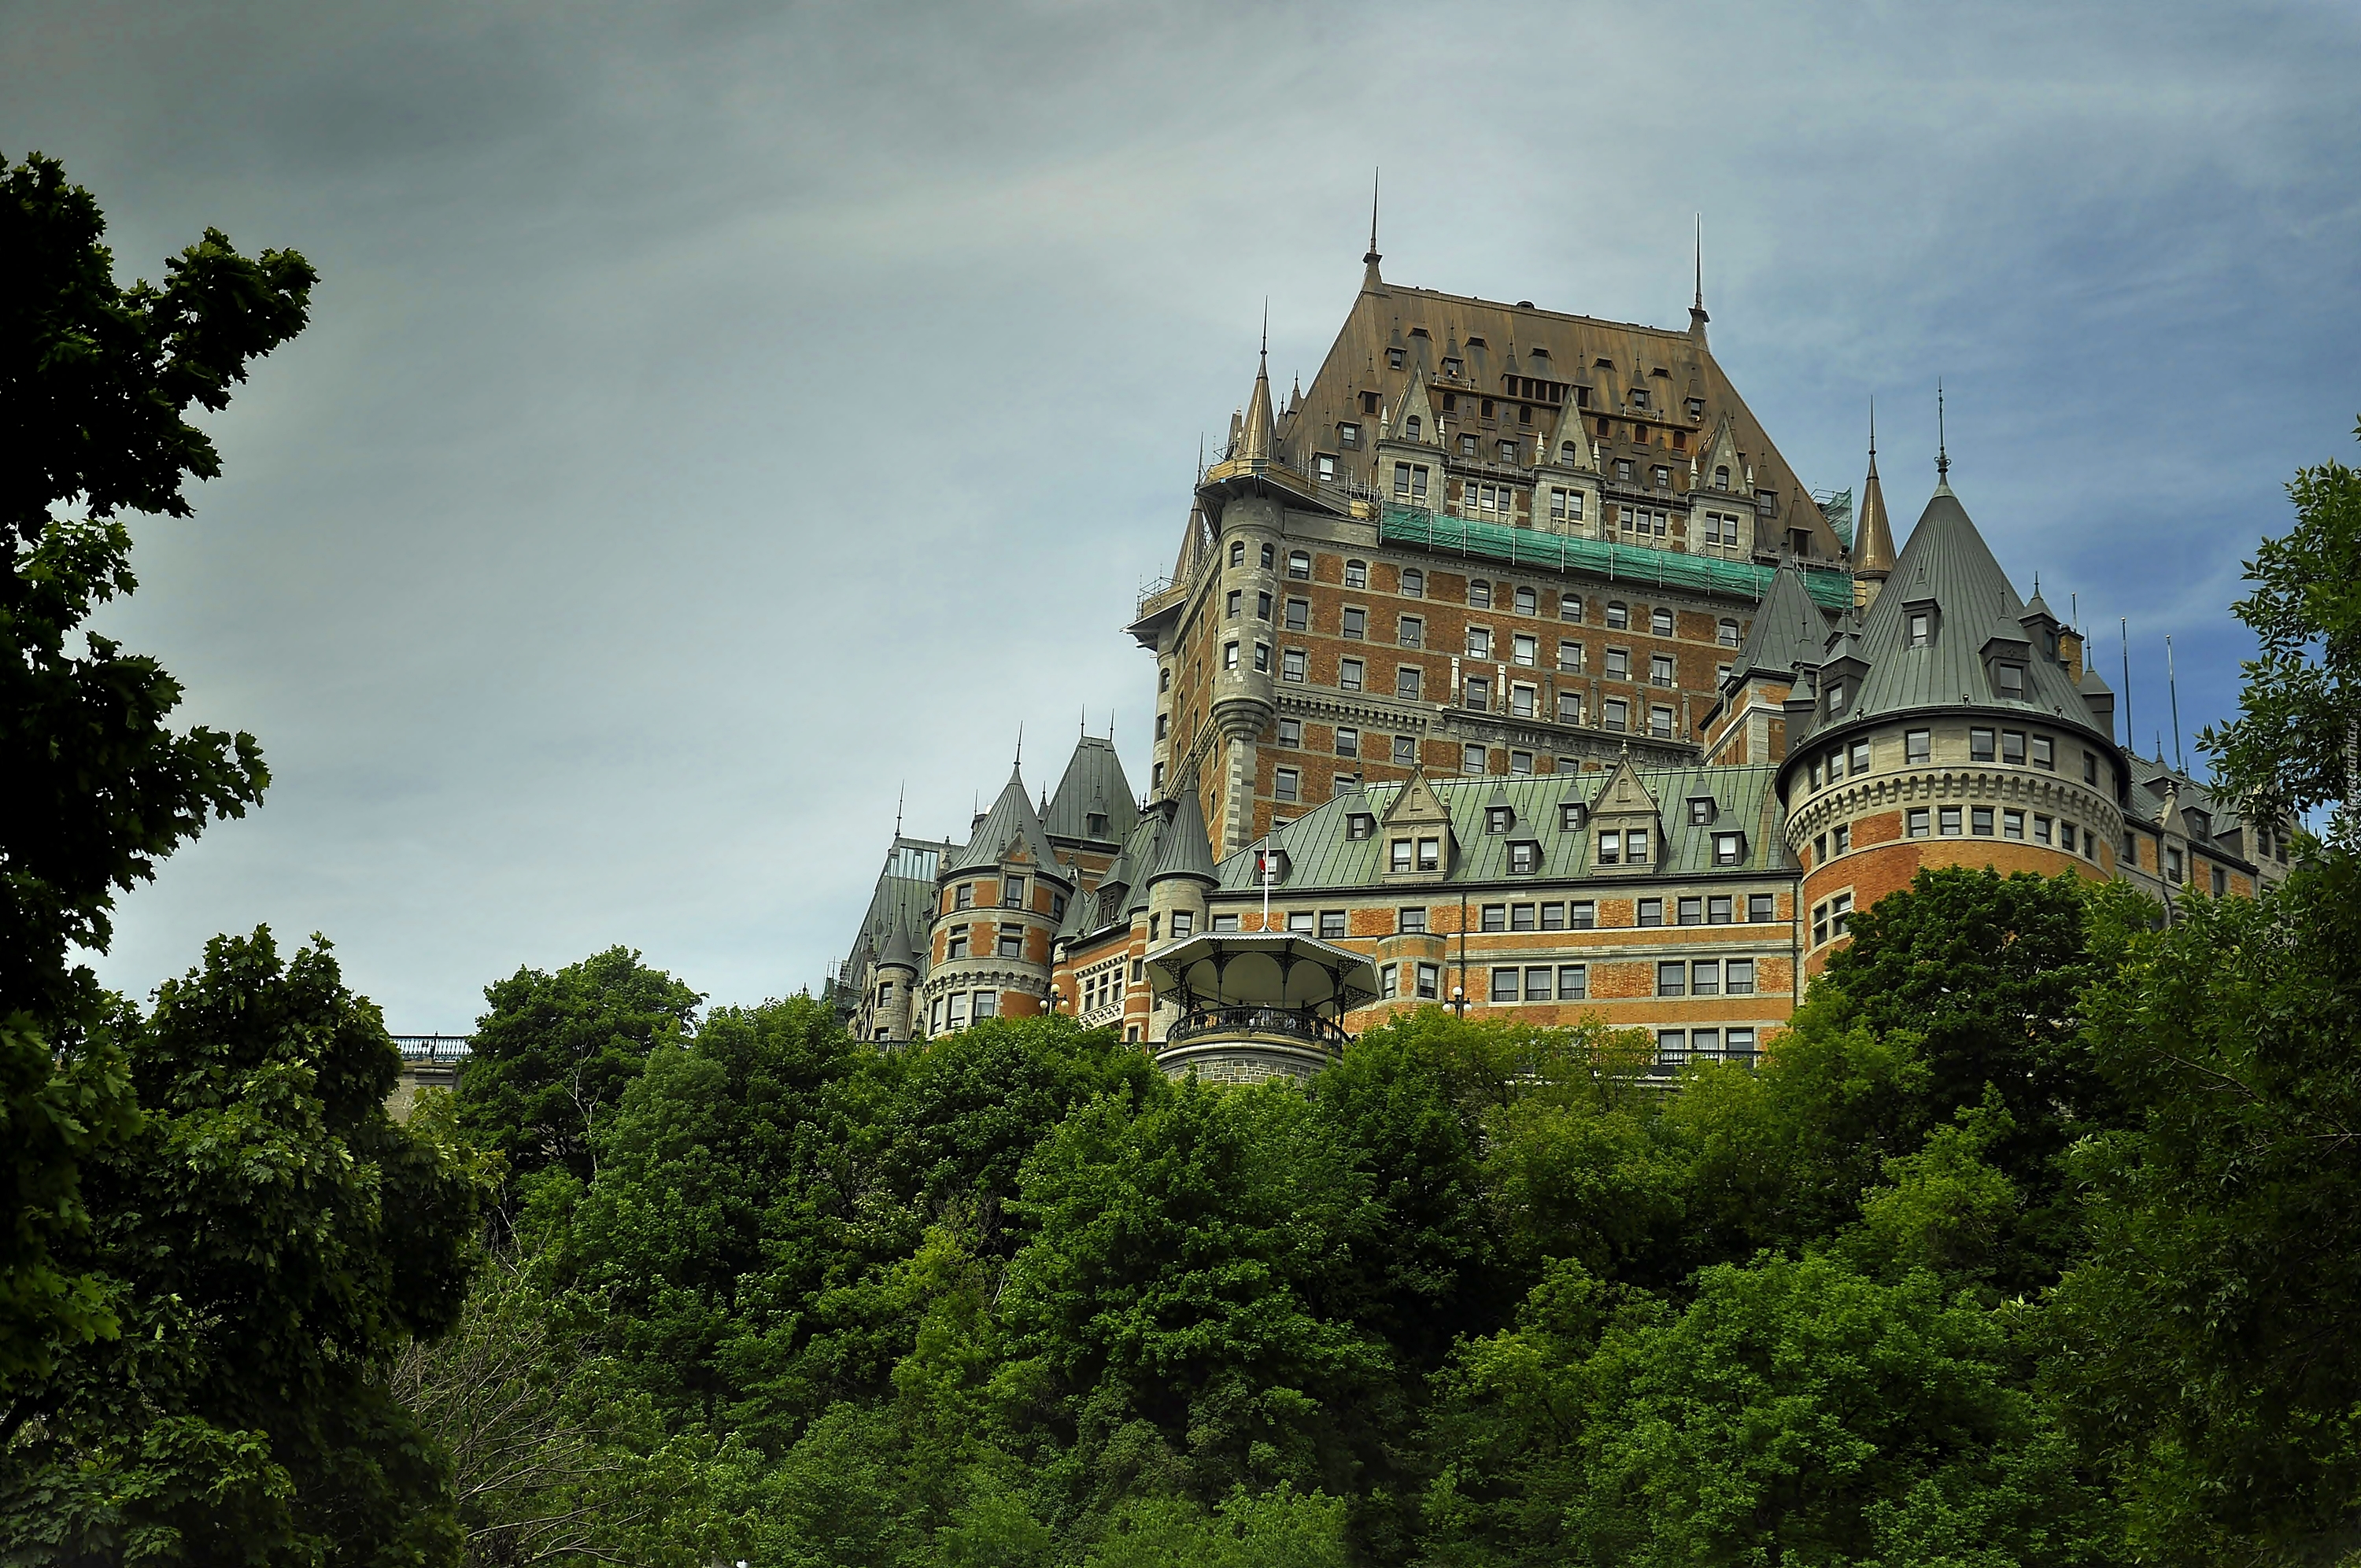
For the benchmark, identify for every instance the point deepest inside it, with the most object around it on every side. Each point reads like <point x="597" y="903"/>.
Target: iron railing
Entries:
<point x="1306" y="1027"/>
<point x="433" y="1049"/>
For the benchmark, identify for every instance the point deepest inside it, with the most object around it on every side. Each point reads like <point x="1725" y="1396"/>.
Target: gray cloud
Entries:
<point x="716" y="416"/>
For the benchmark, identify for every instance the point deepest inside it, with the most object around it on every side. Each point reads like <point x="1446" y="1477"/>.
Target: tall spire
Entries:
<point x="1259" y="435"/>
<point x="1370" y="283"/>
<point x="1698" y="318"/>
<point x="1942" y="451"/>
<point x="1872" y="539"/>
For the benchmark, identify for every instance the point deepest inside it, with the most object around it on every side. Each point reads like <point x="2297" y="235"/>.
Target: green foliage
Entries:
<point x="94" y="786"/>
<point x="554" y="1055"/>
<point x="2211" y="1340"/>
<point x="2290" y="749"/>
<point x="268" y="1237"/>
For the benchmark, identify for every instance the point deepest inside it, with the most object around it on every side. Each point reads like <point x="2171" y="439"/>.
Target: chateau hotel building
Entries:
<point x="1511" y="656"/>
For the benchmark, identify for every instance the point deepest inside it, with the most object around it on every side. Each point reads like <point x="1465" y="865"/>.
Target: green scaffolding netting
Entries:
<point x="1620" y="563"/>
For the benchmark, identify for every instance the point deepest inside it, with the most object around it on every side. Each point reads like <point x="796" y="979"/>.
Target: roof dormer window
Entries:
<point x="1454" y="369"/>
<point x="1393" y="358"/>
<point x="1498" y="819"/>
<point x="1360" y="824"/>
<point x="2008" y="680"/>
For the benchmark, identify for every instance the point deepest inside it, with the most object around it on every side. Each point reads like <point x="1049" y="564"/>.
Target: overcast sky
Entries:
<point x="717" y="417"/>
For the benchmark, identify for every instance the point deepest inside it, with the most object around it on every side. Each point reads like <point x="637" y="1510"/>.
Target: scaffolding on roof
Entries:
<point x="1617" y="563"/>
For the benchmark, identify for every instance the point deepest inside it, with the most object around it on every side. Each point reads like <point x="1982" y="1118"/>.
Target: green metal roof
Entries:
<point x="1618" y="562"/>
<point x="1323" y="856"/>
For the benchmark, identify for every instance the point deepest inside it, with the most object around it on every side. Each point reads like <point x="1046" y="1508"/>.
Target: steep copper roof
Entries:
<point x="1872" y="537"/>
<point x="1094" y="783"/>
<point x="1009" y="823"/>
<point x="1614" y="359"/>
<point x="1187" y="848"/>
<point x="1789" y="632"/>
<point x="1948" y="565"/>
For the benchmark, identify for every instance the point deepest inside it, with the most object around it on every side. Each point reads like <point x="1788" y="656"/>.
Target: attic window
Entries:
<point x="1418" y="332"/>
<point x="1496" y="818"/>
<point x="1922" y="630"/>
<point x="1525" y="858"/>
<point x="1836" y="698"/>
<point x="1569" y="817"/>
<point x="2008" y="680"/>
<point x="1703" y="809"/>
<point x="1729" y="848"/>
<point x="1602" y="363"/>
<point x="1368" y="402"/>
<point x="1476" y="343"/>
<point x="1639" y="397"/>
<point x="1360" y="824"/>
<point x="1721" y="476"/>
<point x="1096" y="824"/>
<point x="1393" y="358"/>
<point x="1348" y="433"/>
<point x="1697" y="407"/>
<point x="1582" y="397"/>
<point x="1454" y="368"/>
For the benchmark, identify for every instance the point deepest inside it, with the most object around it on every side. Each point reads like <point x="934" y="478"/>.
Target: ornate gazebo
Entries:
<point x="1256" y="1004"/>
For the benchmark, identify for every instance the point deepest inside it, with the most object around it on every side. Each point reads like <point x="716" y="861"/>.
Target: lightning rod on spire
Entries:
<point x="1373" y="216"/>
<point x="1942" y="451"/>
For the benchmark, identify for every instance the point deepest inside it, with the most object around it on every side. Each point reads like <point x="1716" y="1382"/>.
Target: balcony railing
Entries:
<point x="430" y="1048"/>
<point x="1307" y="1028"/>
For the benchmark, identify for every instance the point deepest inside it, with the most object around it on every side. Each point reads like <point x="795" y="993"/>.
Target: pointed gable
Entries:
<point x="1624" y="805"/>
<point x="1790" y="633"/>
<point x="1573" y="430"/>
<point x="1414" y="405"/>
<point x="1721" y="468"/>
<point x="1418" y="814"/>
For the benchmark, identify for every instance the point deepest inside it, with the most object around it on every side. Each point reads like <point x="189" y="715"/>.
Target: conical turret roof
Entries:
<point x="1186" y="851"/>
<point x="900" y="950"/>
<point x="1872" y="537"/>
<point x="1259" y="435"/>
<point x="1947" y="565"/>
<point x="1008" y="825"/>
<point x="1093" y="786"/>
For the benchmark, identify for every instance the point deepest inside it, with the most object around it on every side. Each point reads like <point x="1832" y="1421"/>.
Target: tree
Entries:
<point x="94" y="786"/>
<point x="2296" y="744"/>
<point x="551" y="1057"/>
<point x="270" y="1239"/>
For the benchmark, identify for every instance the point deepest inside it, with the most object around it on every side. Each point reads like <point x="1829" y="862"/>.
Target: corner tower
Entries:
<point x="1946" y="732"/>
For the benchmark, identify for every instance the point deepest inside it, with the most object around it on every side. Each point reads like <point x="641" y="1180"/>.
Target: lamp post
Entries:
<point x="1459" y="999"/>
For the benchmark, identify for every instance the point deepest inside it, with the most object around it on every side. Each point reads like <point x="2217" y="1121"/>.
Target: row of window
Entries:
<point x="1004" y="941"/>
<point x="1677" y="1047"/>
<point x="1012" y="895"/>
<point x="2014" y="747"/>
<point x="2003" y="822"/>
<point x="1556" y="915"/>
<point x="1475" y="692"/>
<point x="1523" y="648"/>
<point x="958" y="1009"/>
<point x="1482" y="593"/>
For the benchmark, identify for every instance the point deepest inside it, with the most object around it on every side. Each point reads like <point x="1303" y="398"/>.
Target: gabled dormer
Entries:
<point x="1720" y="469"/>
<point x="1627" y="825"/>
<point x="1566" y="481"/>
<point x="1419" y="846"/>
<point x="1410" y="443"/>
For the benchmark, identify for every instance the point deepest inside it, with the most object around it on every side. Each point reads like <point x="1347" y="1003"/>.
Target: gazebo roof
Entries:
<point x="1261" y="968"/>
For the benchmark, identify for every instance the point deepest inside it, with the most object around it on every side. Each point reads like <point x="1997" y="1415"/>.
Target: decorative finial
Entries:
<point x="1696" y="252"/>
<point x="1266" y="333"/>
<point x="1373" y="216"/>
<point x="900" y="795"/>
<point x="1872" y="427"/>
<point x="1942" y="451"/>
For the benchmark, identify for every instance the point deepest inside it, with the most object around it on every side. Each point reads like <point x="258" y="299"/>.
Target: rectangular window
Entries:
<point x="1504" y="984"/>
<point x="1525" y="858"/>
<point x="1652" y="912"/>
<point x="1522" y="699"/>
<point x="958" y="1010"/>
<point x="1350" y="674"/>
<point x="1288" y="784"/>
<point x="1299" y="615"/>
<point x="1918" y="745"/>
<point x="1298" y="923"/>
<point x="1406" y="681"/>
<point x="1184" y="924"/>
<point x="1671" y="979"/>
<point x="1839" y="913"/>
<point x="1619" y="663"/>
<point x="2089" y="767"/>
<point x="1569" y="658"/>
<point x="2008" y="681"/>
<point x="1400" y="861"/>
<point x="1569" y="708"/>
<point x="1262" y="607"/>
<point x="1012" y="893"/>
<point x="1979" y="746"/>
<point x="1729" y="849"/>
<point x="1520" y="764"/>
<point x="1386" y="984"/>
<point x="1537" y="985"/>
<point x="963" y="895"/>
<point x="1705" y="977"/>
<point x="957" y="946"/>
<point x="1980" y="821"/>
<point x="1660" y="722"/>
<point x="1430" y="981"/>
<point x="1660" y="670"/>
<point x="1401" y="482"/>
<point x="1290" y="664"/>
<point x="1948" y="816"/>
<point x="1012" y="941"/>
<point x="1762" y="907"/>
<point x="1526" y="650"/>
<point x="1226" y="923"/>
<point x="1741" y="1044"/>
<point x="1357" y="574"/>
<point x="1290" y="732"/>
<point x="1840" y="838"/>
<point x="1860" y="758"/>
<point x="1471" y="760"/>
<point x="1610" y="848"/>
<point x="2172" y="863"/>
<point x="1429" y="854"/>
<point x="1582" y="914"/>
<point x="1572" y="982"/>
<point x="2011" y="747"/>
<point x="2042" y="830"/>
<point x="1357" y="623"/>
<point x="1494" y="917"/>
<point x="1552" y="916"/>
<point x="1262" y="658"/>
<point x="2012" y="825"/>
<point x="1613" y="712"/>
<point x="1229" y="655"/>
<point x="1740" y="978"/>
<point x="1921" y="822"/>
<point x="1480" y="643"/>
<point x="1349" y="741"/>
<point x="1520" y="917"/>
<point x="1411" y="922"/>
<point x="2045" y="752"/>
<point x="1717" y="910"/>
<point x="1690" y="912"/>
<point x="1635" y="845"/>
<point x="1405" y="751"/>
<point x="1412" y="631"/>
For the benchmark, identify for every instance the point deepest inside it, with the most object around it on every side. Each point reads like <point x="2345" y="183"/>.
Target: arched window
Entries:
<point x="1299" y="563"/>
<point x="1410" y="427"/>
<point x="1565" y="454"/>
<point x="1729" y="634"/>
<point x="1237" y="552"/>
<point x="1721" y="476"/>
